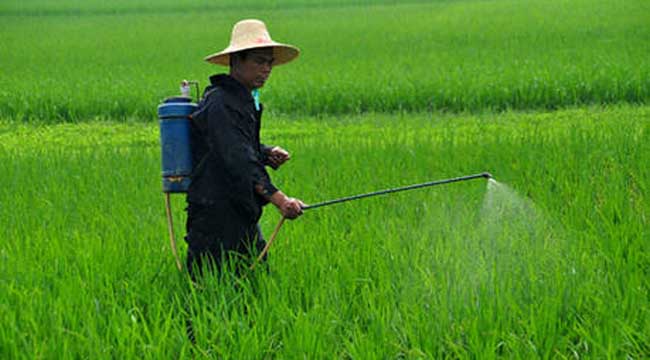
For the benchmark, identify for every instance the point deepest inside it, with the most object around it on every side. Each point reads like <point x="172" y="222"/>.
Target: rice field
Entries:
<point x="556" y="266"/>
<point x="72" y="65"/>
<point x="551" y="260"/>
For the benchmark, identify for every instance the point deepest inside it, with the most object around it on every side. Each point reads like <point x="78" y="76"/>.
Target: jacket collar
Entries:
<point x="230" y="85"/>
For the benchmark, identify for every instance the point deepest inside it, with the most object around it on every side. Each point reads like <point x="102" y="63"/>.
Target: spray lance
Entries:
<point x="485" y="175"/>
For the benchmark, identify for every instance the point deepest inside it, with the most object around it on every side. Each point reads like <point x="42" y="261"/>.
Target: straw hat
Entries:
<point x="252" y="34"/>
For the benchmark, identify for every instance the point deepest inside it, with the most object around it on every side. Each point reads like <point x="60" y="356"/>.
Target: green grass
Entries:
<point x="552" y="262"/>
<point x="72" y="60"/>
<point x="98" y="7"/>
<point x="87" y="272"/>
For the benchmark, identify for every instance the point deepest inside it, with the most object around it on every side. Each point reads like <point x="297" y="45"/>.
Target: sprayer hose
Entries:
<point x="170" y="228"/>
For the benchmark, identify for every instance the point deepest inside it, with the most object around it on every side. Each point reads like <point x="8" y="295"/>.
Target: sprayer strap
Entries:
<point x="204" y="159"/>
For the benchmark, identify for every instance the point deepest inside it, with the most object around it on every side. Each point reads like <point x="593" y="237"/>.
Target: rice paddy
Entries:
<point x="550" y="261"/>
<point x="440" y="56"/>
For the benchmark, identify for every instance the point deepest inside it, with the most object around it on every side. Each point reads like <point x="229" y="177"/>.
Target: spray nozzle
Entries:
<point x="487" y="175"/>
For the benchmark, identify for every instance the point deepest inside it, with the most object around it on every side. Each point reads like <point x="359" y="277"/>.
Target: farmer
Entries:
<point x="230" y="184"/>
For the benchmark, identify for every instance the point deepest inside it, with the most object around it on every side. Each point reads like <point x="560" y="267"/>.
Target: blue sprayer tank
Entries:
<point x="174" y="118"/>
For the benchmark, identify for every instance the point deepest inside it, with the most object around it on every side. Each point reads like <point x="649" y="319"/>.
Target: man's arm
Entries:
<point x="245" y="171"/>
<point x="230" y="138"/>
<point x="289" y="207"/>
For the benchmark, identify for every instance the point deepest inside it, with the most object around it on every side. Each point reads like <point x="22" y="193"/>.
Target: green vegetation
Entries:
<point x="446" y="55"/>
<point x="98" y="7"/>
<point x="549" y="96"/>
<point x="87" y="271"/>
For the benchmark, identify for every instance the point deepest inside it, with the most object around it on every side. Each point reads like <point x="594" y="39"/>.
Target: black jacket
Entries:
<point x="227" y="154"/>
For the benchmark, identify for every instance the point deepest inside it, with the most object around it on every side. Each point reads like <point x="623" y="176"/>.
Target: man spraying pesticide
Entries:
<point x="224" y="173"/>
<point x="228" y="184"/>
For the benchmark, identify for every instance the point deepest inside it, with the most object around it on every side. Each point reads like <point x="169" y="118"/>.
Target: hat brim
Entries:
<point x="282" y="53"/>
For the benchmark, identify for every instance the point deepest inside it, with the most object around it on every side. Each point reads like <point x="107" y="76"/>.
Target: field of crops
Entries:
<point x="550" y="261"/>
<point x="87" y="271"/>
<point x="65" y="64"/>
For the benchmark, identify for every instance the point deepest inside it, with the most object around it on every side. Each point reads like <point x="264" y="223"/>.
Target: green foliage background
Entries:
<point x="549" y="96"/>
<point x="87" y="271"/>
<point x="65" y="64"/>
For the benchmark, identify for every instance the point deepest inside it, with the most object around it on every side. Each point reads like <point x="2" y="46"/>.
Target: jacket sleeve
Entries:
<point x="266" y="150"/>
<point x="231" y="139"/>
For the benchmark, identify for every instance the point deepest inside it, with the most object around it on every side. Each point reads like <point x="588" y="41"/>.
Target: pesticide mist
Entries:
<point x="513" y="254"/>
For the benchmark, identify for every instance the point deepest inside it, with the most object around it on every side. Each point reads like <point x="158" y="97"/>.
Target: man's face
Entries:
<point x="255" y="69"/>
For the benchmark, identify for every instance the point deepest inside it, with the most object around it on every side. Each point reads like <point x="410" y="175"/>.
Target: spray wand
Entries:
<point x="485" y="175"/>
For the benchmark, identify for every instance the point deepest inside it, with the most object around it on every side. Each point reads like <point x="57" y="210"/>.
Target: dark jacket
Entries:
<point x="226" y="150"/>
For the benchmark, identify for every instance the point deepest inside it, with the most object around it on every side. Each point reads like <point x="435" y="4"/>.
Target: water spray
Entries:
<point x="483" y="175"/>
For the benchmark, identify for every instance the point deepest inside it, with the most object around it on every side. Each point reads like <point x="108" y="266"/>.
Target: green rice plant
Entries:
<point x="356" y="57"/>
<point x="98" y="7"/>
<point x="550" y="262"/>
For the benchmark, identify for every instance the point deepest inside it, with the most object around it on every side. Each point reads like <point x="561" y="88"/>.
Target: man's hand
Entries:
<point x="290" y="208"/>
<point x="278" y="156"/>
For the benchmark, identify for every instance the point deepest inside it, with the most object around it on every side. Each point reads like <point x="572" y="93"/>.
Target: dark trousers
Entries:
<point x="216" y="233"/>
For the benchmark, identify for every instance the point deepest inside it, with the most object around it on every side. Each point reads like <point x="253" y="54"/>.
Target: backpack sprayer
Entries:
<point x="175" y="114"/>
<point x="174" y="119"/>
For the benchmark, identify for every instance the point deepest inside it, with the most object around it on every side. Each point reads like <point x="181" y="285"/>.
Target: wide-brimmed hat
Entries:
<point x="252" y="34"/>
